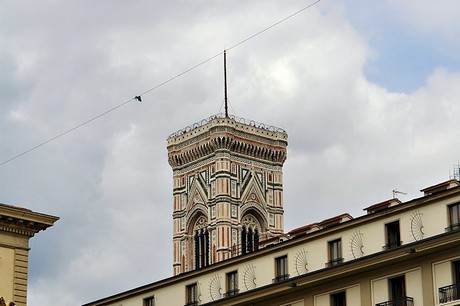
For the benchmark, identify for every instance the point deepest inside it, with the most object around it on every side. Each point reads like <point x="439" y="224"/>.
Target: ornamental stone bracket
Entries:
<point x="20" y="227"/>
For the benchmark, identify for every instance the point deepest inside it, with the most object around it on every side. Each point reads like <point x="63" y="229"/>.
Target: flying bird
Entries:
<point x="138" y="98"/>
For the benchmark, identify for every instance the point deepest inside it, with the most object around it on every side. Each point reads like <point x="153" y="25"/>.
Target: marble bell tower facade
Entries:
<point x="227" y="189"/>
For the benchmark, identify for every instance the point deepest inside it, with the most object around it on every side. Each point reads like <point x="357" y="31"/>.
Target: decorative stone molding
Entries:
<point x="215" y="288"/>
<point x="357" y="244"/>
<point x="216" y="134"/>
<point x="249" y="277"/>
<point x="23" y="221"/>
<point x="20" y="226"/>
<point x="301" y="262"/>
<point x="416" y="226"/>
<point x="232" y="120"/>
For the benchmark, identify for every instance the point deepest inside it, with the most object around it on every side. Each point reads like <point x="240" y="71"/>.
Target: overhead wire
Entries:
<point x="139" y="97"/>
<point x="66" y="132"/>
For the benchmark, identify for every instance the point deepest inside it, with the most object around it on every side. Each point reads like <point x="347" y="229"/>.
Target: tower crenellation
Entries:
<point x="228" y="189"/>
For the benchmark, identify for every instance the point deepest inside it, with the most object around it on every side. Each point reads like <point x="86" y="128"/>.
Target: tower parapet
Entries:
<point x="228" y="189"/>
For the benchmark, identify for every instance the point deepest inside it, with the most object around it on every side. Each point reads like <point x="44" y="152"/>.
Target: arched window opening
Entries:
<point x="201" y="243"/>
<point x="206" y="242"/>
<point x="243" y="240"/>
<point x="201" y="248"/>
<point x="250" y="240"/>
<point x="197" y="250"/>
<point x="250" y="234"/>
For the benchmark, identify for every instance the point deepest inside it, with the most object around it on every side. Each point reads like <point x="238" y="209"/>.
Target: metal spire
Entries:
<point x="225" y="83"/>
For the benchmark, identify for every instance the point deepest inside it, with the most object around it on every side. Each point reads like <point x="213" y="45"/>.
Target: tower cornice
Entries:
<point x="227" y="134"/>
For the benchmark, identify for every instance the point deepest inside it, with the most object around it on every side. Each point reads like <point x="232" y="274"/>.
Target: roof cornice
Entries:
<point x="23" y="221"/>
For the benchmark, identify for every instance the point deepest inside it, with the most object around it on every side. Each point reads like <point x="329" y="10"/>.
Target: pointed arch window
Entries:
<point x="199" y="243"/>
<point x="250" y="233"/>
<point x="243" y="240"/>
<point x="256" y="239"/>
<point x="197" y="249"/>
<point x="201" y="248"/>
<point x="249" y="240"/>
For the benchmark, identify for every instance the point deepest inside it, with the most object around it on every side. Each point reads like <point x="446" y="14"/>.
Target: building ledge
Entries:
<point x="23" y="221"/>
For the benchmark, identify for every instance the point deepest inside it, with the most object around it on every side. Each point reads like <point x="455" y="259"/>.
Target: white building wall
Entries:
<point x="414" y="286"/>
<point x="354" y="295"/>
<point x="322" y="300"/>
<point x="379" y="289"/>
<point x="316" y="253"/>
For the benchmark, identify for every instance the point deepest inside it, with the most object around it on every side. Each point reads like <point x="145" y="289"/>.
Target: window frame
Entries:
<point x="339" y="298"/>
<point x="454" y="217"/>
<point x="335" y="252"/>
<point x="231" y="283"/>
<point x="451" y="292"/>
<point x="397" y="288"/>
<point x="149" y="301"/>
<point x="281" y="268"/>
<point x="191" y="294"/>
<point x="393" y="235"/>
<point x="456" y="272"/>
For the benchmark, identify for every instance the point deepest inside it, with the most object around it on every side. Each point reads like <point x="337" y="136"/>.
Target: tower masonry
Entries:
<point x="227" y="189"/>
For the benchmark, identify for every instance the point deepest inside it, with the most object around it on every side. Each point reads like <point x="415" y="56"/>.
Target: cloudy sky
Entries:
<point x="367" y="90"/>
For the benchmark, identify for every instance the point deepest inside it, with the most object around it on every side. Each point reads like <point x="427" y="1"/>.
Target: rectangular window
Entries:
<point x="393" y="235"/>
<point x="454" y="217"/>
<point x="339" y="299"/>
<point x="232" y="283"/>
<point x="281" y="269"/>
<point x="456" y="267"/>
<point x="397" y="288"/>
<point x="335" y="253"/>
<point x="397" y="293"/>
<point x="451" y="292"/>
<point x="191" y="295"/>
<point x="150" y="301"/>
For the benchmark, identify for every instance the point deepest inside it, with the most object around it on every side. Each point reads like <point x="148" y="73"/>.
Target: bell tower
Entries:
<point x="228" y="189"/>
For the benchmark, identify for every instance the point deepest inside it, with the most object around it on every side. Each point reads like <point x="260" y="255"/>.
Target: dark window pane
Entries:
<point x="339" y="299"/>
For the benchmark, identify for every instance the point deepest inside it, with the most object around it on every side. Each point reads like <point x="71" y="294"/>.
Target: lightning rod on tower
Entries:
<point x="225" y="83"/>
